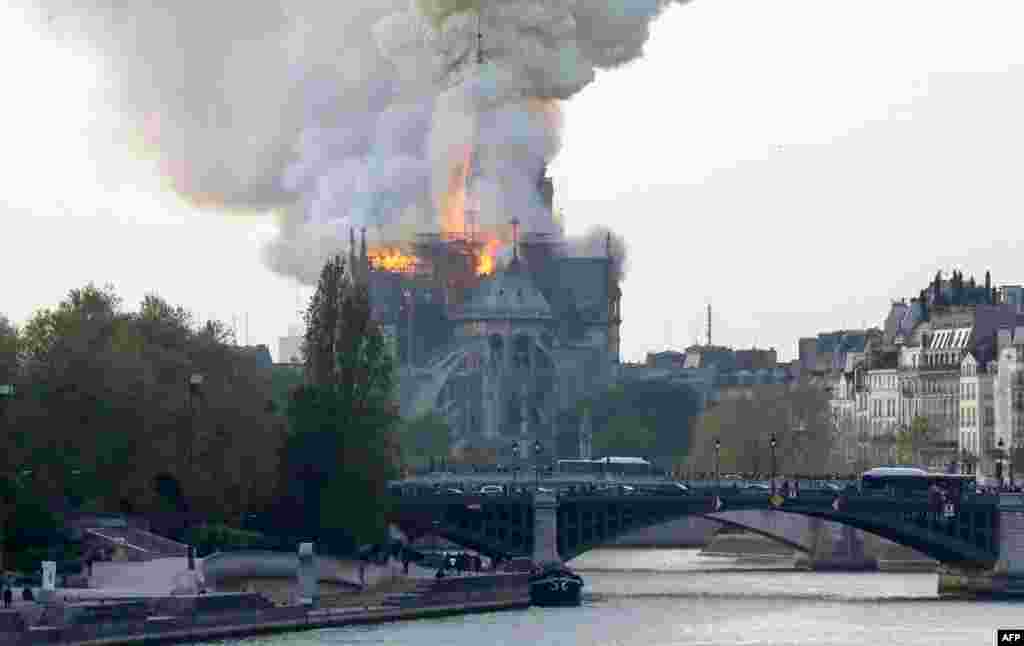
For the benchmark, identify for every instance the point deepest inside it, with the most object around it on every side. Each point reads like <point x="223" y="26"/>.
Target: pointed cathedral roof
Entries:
<point x="507" y="295"/>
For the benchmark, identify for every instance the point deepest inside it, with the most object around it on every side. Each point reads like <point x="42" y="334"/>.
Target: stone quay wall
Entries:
<point x="450" y="597"/>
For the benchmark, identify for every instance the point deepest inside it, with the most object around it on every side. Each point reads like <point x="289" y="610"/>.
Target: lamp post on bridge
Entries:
<point x="515" y="462"/>
<point x="999" y="463"/>
<point x="718" y="480"/>
<point x="773" y="443"/>
<point x="537" y="448"/>
<point x="1009" y="462"/>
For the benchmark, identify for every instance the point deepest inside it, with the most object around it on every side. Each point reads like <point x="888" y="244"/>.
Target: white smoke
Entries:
<point x="351" y="114"/>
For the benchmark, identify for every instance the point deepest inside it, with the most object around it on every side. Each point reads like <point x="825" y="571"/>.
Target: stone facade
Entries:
<point x="520" y="346"/>
<point x="1008" y="435"/>
<point x="977" y="417"/>
<point x="935" y="362"/>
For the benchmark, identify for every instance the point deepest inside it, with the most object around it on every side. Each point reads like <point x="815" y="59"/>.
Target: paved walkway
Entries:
<point x="146" y="577"/>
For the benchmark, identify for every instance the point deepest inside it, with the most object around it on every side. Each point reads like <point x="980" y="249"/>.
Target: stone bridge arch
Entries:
<point x="971" y="538"/>
<point x="792" y="530"/>
<point x="828" y="535"/>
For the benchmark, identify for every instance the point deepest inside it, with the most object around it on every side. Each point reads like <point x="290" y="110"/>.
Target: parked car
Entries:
<point x="667" y="489"/>
<point x="450" y="491"/>
<point x="492" y="490"/>
<point x="616" y="490"/>
<point x="757" y="487"/>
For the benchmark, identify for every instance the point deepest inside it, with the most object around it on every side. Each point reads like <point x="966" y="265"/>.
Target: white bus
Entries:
<point x="608" y="466"/>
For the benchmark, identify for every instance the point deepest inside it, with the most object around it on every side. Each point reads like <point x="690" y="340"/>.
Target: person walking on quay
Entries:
<point x="8" y="597"/>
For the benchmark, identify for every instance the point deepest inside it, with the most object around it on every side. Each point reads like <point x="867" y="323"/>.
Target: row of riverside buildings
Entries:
<point x="942" y="380"/>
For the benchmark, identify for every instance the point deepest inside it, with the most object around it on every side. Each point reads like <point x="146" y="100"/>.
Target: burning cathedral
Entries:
<point x="496" y="346"/>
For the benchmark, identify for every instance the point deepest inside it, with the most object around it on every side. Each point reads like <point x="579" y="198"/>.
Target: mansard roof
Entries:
<point x="951" y="339"/>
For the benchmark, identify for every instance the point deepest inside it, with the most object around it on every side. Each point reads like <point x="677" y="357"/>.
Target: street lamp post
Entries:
<point x="515" y="463"/>
<point x="718" y="480"/>
<point x="6" y="393"/>
<point x="773" y="443"/>
<point x="999" y="464"/>
<point x="195" y="383"/>
<point x="1009" y="462"/>
<point x="537" y="448"/>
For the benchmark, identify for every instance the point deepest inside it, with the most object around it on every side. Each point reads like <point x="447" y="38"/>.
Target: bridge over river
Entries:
<point x="979" y="540"/>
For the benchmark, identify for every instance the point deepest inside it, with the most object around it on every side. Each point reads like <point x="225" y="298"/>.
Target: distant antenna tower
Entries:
<point x="709" y="325"/>
<point x="479" y="39"/>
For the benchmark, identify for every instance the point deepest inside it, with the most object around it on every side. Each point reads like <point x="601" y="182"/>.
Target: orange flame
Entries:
<point x="485" y="263"/>
<point x="453" y="207"/>
<point x="392" y="259"/>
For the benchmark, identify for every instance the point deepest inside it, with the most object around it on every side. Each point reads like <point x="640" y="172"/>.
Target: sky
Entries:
<point x="797" y="164"/>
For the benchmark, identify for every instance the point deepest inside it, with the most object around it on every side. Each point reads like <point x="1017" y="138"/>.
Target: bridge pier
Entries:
<point x="1006" y="578"/>
<point x="545" y="528"/>
<point x="307" y="575"/>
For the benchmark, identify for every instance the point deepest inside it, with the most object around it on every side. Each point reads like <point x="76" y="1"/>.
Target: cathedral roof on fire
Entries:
<point x="507" y="295"/>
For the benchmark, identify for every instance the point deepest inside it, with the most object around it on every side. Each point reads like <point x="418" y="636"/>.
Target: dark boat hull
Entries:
<point x="559" y="588"/>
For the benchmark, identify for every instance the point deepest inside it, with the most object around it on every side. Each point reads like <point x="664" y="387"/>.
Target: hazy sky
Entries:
<point x="797" y="163"/>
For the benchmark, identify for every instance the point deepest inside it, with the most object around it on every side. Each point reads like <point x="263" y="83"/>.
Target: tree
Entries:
<point x="424" y="438"/>
<point x="9" y="347"/>
<point x="798" y="416"/>
<point x="910" y="441"/>
<point x="621" y="437"/>
<point x="645" y="418"/>
<point x="343" y="444"/>
<point x="103" y="409"/>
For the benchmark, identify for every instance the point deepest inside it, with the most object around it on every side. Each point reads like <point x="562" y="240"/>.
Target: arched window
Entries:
<point x="521" y="351"/>
<point x="497" y="348"/>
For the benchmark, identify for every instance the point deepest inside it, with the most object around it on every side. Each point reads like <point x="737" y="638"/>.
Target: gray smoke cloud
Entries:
<point x="594" y="242"/>
<point x="349" y="114"/>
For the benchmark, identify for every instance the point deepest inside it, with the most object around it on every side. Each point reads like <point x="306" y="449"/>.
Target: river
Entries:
<point x="669" y="597"/>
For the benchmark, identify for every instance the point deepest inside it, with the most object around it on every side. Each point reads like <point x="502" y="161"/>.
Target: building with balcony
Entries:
<point x="977" y="417"/>
<point x="1008" y="400"/>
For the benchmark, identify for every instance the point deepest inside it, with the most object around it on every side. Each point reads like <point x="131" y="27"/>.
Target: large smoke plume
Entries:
<point x="354" y="113"/>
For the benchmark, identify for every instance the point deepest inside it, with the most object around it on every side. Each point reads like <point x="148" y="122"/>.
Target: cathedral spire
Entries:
<point x="515" y="243"/>
<point x="364" y="260"/>
<point x="352" y="251"/>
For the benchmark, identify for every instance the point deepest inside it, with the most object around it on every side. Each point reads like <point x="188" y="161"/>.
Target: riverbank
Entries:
<point x="452" y="596"/>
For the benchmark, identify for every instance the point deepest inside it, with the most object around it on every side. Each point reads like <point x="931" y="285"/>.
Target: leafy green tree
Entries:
<point x="646" y="418"/>
<point x="424" y="438"/>
<point x="910" y="441"/>
<point x="343" y="444"/>
<point x="9" y="350"/>
<point x="104" y="407"/>
<point x="746" y="419"/>
<point x="621" y="437"/>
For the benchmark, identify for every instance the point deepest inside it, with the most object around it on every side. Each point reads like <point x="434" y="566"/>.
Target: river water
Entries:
<point x="677" y="597"/>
